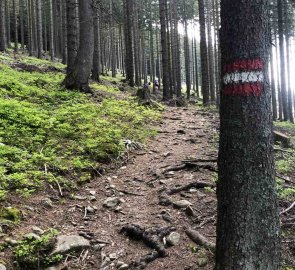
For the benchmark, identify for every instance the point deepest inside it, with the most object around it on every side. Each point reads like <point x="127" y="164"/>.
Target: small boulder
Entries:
<point x="68" y="243"/>
<point x="182" y="204"/>
<point x="111" y="202"/>
<point x="2" y="267"/>
<point x="173" y="239"/>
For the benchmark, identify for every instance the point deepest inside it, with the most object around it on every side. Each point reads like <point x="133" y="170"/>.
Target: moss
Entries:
<point x="54" y="135"/>
<point x="9" y="215"/>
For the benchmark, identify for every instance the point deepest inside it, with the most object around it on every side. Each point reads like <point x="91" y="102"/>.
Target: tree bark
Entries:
<point x="282" y="60"/>
<point x="248" y="222"/>
<point x="129" y="56"/>
<point x="164" y="43"/>
<point x="15" y="26"/>
<point x="2" y="27"/>
<point x="96" y="55"/>
<point x="39" y="29"/>
<point x="204" y="58"/>
<point x="78" y="76"/>
<point x="72" y="33"/>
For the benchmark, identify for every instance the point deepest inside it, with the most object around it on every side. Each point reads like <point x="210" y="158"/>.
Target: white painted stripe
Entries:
<point x="243" y="77"/>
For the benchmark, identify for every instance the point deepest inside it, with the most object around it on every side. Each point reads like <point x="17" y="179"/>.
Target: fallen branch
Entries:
<point x="200" y="239"/>
<point x="288" y="209"/>
<point x="197" y="185"/>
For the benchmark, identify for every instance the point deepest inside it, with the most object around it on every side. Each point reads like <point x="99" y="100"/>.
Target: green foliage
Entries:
<point x="50" y="134"/>
<point x="9" y="215"/>
<point x="35" y="253"/>
<point x="284" y="165"/>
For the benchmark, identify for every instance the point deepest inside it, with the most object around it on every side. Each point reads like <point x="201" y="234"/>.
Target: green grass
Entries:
<point x="49" y="134"/>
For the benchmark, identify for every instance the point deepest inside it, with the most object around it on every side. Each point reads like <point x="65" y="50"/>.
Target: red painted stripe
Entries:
<point x="246" y="89"/>
<point x="244" y="65"/>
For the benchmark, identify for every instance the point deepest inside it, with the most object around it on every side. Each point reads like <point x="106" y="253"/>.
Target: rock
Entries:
<point x="80" y="198"/>
<point x="182" y="204"/>
<point x="113" y="256"/>
<point x="111" y="202"/>
<point x="90" y="209"/>
<point x="2" y="267"/>
<point x="173" y="239"/>
<point x="190" y="211"/>
<point x="67" y="243"/>
<point x="37" y="230"/>
<point x="11" y="242"/>
<point x="124" y="267"/>
<point x="119" y="264"/>
<point x="33" y="236"/>
<point x="92" y="192"/>
<point x="202" y="262"/>
<point x="47" y="202"/>
<point x="92" y="198"/>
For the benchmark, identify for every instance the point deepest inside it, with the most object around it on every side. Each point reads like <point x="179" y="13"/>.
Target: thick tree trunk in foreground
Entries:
<point x="78" y="76"/>
<point x="248" y="223"/>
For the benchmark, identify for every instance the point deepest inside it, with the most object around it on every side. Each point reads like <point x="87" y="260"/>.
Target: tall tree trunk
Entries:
<point x="15" y="26"/>
<point x="96" y="54"/>
<point x="7" y="23"/>
<point x="21" y="20"/>
<point x="2" y="27"/>
<point x="204" y="58"/>
<point x="248" y="222"/>
<point x="129" y="56"/>
<point x="78" y="76"/>
<point x="210" y="51"/>
<point x="289" y="74"/>
<point x="51" y="32"/>
<point x="39" y="29"/>
<point x="164" y="43"/>
<point x="196" y="68"/>
<point x="273" y="88"/>
<point x="113" y="42"/>
<point x="72" y="34"/>
<point x="64" y="33"/>
<point x="187" y="61"/>
<point x="282" y="60"/>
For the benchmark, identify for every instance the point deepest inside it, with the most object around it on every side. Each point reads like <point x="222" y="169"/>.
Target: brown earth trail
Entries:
<point x="140" y="192"/>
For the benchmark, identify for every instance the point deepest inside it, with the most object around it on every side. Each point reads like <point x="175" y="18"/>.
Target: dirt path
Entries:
<point x="182" y="133"/>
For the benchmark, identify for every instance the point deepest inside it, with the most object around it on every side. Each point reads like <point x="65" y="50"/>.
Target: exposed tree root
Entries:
<point x="189" y="186"/>
<point x="200" y="239"/>
<point x="151" y="237"/>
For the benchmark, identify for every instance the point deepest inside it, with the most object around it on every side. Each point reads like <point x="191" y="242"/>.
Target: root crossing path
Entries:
<point x="135" y="216"/>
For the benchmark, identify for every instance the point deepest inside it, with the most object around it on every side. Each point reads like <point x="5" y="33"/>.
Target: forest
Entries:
<point x="154" y="134"/>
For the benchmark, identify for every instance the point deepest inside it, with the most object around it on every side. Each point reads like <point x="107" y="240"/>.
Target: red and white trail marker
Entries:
<point x="243" y="78"/>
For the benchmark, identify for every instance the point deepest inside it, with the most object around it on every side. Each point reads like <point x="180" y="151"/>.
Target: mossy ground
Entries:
<point x="51" y="135"/>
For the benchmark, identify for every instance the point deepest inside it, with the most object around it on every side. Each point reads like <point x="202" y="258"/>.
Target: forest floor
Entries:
<point x="148" y="188"/>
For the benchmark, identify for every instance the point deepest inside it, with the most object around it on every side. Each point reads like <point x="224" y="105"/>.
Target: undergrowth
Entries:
<point x="49" y="134"/>
<point x="35" y="253"/>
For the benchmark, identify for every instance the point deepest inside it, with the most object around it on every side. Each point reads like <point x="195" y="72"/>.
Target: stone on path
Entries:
<point x="173" y="239"/>
<point x="111" y="202"/>
<point x="182" y="204"/>
<point x="2" y="267"/>
<point x="67" y="243"/>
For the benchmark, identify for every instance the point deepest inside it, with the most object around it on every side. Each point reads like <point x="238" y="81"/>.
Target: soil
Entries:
<point x="138" y="182"/>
